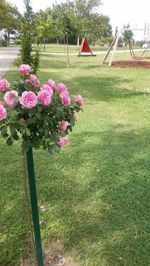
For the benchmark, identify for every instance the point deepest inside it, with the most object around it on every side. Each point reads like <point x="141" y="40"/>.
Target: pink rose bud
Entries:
<point x="27" y="82"/>
<point x="79" y="100"/>
<point x="63" y="141"/>
<point x="28" y="99"/>
<point x="61" y="87"/>
<point x="4" y="84"/>
<point x="65" y="99"/>
<point x="24" y="70"/>
<point x="3" y="112"/>
<point x="22" y="120"/>
<point x="11" y="97"/>
<point x="34" y="81"/>
<point x="63" y="125"/>
<point x="51" y="83"/>
<point x="47" y="88"/>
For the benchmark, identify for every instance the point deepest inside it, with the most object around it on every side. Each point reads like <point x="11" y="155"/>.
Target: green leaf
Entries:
<point x="38" y="115"/>
<point x="15" y="136"/>
<point x="39" y="108"/>
<point x="27" y="131"/>
<point x="46" y="133"/>
<point x="4" y="132"/>
<point x="9" y="141"/>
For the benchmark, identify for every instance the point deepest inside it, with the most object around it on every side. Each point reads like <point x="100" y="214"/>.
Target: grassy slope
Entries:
<point x="96" y="190"/>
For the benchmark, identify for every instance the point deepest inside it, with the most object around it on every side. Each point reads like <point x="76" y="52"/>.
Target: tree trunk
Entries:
<point x="64" y="46"/>
<point x="8" y="40"/>
<point x="44" y="44"/>
<point x="78" y="43"/>
<point x="67" y="46"/>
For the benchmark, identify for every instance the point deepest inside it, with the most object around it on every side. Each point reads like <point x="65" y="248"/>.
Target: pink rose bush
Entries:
<point x="40" y="114"/>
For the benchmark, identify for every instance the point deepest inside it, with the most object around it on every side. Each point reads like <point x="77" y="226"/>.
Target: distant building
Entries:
<point x="9" y="37"/>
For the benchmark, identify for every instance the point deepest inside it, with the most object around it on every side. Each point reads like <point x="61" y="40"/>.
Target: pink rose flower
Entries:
<point x="3" y="112"/>
<point x="65" y="99"/>
<point x="28" y="99"/>
<point x="51" y="83"/>
<point x="47" y="88"/>
<point x="34" y="81"/>
<point x="79" y="100"/>
<point x="24" y="69"/>
<point x="4" y="84"/>
<point x="22" y="120"/>
<point x="63" y="141"/>
<point x="27" y="82"/>
<point x="63" y="125"/>
<point x="61" y="87"/>
<point x="44" y="97"/>
<point x="11" y="97"/>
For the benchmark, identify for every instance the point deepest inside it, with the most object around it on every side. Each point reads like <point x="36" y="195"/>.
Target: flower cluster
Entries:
<point x="42" y="114"/>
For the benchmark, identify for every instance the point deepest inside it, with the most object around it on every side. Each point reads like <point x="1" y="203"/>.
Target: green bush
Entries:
<point x="17" y="42"/>
<point x="3" y="43"/>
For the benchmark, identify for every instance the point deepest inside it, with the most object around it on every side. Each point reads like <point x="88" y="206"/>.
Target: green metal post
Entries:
<point x="34" y="207"/>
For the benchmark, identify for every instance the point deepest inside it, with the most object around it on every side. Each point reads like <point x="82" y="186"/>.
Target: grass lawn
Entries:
<point x="97" y="190"/>
<point x="59" y="48"/>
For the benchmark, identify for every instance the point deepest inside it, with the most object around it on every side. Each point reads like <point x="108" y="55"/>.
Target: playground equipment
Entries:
<point x="112" y="49"/>
<point x="85" y="49"/>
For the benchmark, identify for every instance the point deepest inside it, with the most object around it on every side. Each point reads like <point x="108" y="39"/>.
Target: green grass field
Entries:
<point x="58" y="48"/>
<point x="97" y="190"/>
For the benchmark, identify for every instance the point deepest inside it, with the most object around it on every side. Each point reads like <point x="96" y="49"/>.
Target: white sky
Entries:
<point x="121" y="12"/>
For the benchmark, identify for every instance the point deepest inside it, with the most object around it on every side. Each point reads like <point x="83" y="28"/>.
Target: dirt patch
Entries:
<point x="131" y="63"/>
<point x="53" y="256"/>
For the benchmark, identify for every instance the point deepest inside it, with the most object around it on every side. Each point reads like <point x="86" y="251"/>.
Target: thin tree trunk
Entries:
<point x="78" y="43"/>
<point x="44" y="44"/>
<point x="67" y="46"/>
<point x="64" y="46"/>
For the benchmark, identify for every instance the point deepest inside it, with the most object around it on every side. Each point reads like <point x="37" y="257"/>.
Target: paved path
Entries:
<point x="7" y="57"/>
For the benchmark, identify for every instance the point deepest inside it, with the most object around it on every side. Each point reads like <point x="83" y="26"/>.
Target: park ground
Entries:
<point x="96" y="192"/>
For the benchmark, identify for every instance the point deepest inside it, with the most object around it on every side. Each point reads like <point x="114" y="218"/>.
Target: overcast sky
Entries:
<point x="121" y="12"/>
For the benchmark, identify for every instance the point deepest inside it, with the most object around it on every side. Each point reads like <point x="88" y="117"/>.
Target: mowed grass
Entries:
<point x="97" y="190"/>
<point x="60" y="48"/>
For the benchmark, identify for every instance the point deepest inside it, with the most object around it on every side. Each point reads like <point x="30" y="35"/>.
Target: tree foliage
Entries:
<point x="27" y="31"/>
<point x="70" y="19"/>
<point x="9" y="16"/>
<point x="127" y="34"/>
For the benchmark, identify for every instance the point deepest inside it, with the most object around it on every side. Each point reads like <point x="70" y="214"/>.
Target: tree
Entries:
<point x="43" y="27"/>
<point x="127" y="34"/>
<point x="99" y="27"/>
<point x="83" y="11"/>
<point x="27" y="29"/>
<point x="64" y="21"/>
<point x="9" y="17"/>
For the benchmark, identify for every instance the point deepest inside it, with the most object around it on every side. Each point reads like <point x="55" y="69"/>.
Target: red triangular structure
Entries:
<point x="84" y="47"/>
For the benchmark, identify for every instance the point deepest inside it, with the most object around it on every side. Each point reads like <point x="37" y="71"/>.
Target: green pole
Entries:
<point x="34" y="206"/>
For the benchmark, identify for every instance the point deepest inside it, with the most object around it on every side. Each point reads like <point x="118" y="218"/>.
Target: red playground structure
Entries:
<point x="85" y="49"/>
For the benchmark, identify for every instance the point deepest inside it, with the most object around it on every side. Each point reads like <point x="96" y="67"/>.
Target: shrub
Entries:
<point x="17" y="42"/>
<point x="41" y="114"/>
<point x="3" y="43"/>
